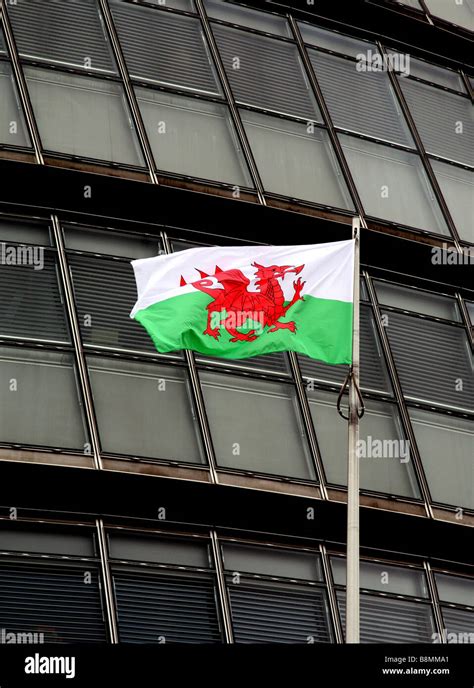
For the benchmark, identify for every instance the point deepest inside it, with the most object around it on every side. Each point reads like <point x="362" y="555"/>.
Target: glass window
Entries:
<point x="31" y="305"/>
<point x="138" y="547"/>
<point x="165" y="48"/>
<point x="235" y="14"/>
<point x="13" y="231"/>
<point x="62" y="32"/>
<point x="272" y="562"/>
<point x="13" y="129"/>
<point x="265" y="72"/>
<point x="51" y="603"/>
<point x="275" y="612"/>
<point x="457" y="187"/>
<point x="433" y="360"/>
<point x="41" y="386"/>
<point x="470" y="310"/>
<point x="446" y="447"/>
<point x="155" y="401"/>
<point x="444" y="120"/>
<point x="385" y="460"/>
<point x="264" y="612"/>
<point x="193" y="137"/>
<point x="373" y="371"/>
<point x="360" y="101"/>
<point x="255" y="426"/>
<point x="102" y="309"/>
<point x="455" y="589"/>
<point x="111" y="243"/>
<point x="332" y="40"/>
<point x="435" y="74"/>
<point x="383" y="577"/>
<point x="65" y="105"/>
<point x="39" y="541"/>
<point x="393" y="185"/>
<point x="461" y="14"/>
<point x="460" y="622"/>
<point x="417" y="301"/>
<point x="295" y="163"/>
<point x="157" y="607"/>
<point x="385" y="620"/>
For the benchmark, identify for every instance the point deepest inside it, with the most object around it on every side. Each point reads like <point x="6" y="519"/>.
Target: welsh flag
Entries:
<point x="243" y="301"/>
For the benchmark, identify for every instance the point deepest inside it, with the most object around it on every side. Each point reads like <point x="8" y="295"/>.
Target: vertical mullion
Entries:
<point x="399" y="397"/>
<point x="336" y="619"/>
<point x="421" y="151"/>
<point x="129" y="91"/>
<point x="86" y="390"/>
<point x="21" y="85"/>
<point x="465" y="317"/>
<point x="467" y="84"/>
<point x="308" y="423"/>
<point x="318" y="94"/>
<point x="198" y="396"/>
<point x="109" y="597"/>
<point x="222" y="588"/>
<point x="433" y="590"/>
<point x="234" y="112"/>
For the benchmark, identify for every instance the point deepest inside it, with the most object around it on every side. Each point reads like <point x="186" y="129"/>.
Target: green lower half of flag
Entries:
<point x="323" y="329"/>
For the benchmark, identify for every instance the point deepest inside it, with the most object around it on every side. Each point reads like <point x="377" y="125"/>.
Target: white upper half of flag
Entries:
<point x="328" y="270"/>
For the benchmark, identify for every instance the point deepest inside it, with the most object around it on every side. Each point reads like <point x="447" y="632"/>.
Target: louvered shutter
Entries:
<point x="162" y="47"/>
<point x="373" y="372"/>
<point x="65" y="31"/>
<point x="271" y="613"/>
<point x="359" y="101"/>
<point x="31" y="304"/>
<point x="53" y="600"/>
<point x="385" y="620"/>
<point x="458" y="620"/>
<point x="438" y="116"/>
<point x="178" y="608"/>
<point x="430" y="357"/>
<point x="268" y="73"/>
<point x="106" y="293"/>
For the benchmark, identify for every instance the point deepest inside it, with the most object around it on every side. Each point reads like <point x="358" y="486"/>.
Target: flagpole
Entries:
<point x="352" y="559"/>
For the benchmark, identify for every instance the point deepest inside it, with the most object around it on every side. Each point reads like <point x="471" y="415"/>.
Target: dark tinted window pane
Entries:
<point x="162" y="47"/>
<point x="444" y="121"/>
<point x="68" y="32"/>
<point x="138" y="547"/>
<point x="31" y="305"/>
<point x="272" y="562"/>
<point x="385" y="620"/>
<point x="159" y="608"/>
<point x="263" y="613"/>
<point x="104" y="309"/>
<point x="13" y="129"/>
<point x="66" y="104"/>
<point x="39" y="386"/>
<point x="37" y="541"/>
<point x="433" y="360"/>
<point x="52" y="600"/>
<point x="360" y="101"/>
<point x="255" y="425"/>
<point x="265" y="72"/>
<point x="155" y="401"/>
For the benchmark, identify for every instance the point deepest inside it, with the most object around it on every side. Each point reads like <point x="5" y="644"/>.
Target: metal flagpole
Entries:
<point x="355" y="413"/>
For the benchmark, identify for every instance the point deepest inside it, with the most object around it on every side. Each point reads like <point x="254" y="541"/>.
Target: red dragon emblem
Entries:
<point x="263" y="307"/>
